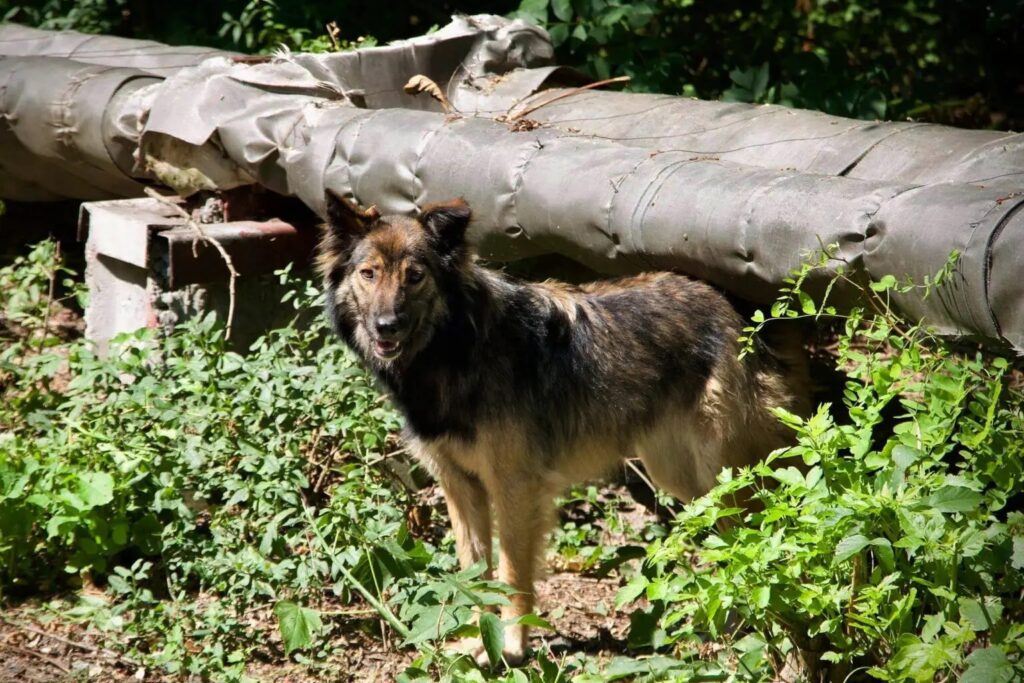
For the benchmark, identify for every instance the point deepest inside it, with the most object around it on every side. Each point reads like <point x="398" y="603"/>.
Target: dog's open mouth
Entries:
<point x="387" y="350"/>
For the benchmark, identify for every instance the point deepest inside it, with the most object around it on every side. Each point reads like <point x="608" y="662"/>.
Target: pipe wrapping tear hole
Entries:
<point x="514" y="231"/>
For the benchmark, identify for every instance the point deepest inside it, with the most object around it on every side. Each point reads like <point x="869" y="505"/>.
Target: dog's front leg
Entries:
<point x="469" y="508"/>
<point x="470" y="511"/>
<point x="523" y="506"/>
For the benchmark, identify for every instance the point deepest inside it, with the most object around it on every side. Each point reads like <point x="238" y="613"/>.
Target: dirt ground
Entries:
<point x="38" y="644"/>
<point x="36" y="647"/>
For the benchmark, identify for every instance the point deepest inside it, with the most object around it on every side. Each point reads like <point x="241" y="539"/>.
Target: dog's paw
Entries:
<point x="512" y="655"/>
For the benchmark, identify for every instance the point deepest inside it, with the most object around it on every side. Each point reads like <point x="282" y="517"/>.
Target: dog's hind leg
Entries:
<point x="678" y="460"/>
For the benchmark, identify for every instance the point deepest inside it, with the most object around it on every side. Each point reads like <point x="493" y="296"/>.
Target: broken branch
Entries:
<point x="575" y="91"/>
<point x="201" y="235"/>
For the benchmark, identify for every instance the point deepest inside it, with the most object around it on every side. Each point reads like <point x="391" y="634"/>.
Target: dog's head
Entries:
<point x="384" y="275"/>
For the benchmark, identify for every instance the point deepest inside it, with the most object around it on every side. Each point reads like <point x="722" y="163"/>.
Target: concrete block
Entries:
<point x="145" y="268"/>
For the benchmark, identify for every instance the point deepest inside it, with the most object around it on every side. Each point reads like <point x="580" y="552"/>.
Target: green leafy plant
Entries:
<point x="210" y="491"/>
<point x="258" y="26"/>
<point x="866" y="59"/>
<point x="174" y="467"/>
<point x="885" y="545"/>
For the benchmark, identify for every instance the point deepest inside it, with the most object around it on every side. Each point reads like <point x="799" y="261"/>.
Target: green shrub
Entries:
<point x="175" y="468"/>
<point x="887" y="544"/>
<point x="943" y="61"/>
<point x="204" y="457"/>
<point x="203" y="486"/>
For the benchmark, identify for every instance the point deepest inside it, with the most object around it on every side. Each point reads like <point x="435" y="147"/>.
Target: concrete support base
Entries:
<point x="144" y="268"/>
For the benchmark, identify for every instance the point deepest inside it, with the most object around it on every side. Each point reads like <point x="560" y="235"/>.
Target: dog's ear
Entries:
<point x="346" y="219"/>
<point x="447" y="222"/>
<point x="346" y="225"/>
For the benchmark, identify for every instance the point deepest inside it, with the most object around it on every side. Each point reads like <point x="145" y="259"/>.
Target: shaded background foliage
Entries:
<point x="959" y="62"/>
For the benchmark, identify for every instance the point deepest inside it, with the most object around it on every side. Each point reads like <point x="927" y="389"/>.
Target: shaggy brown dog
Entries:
<point x="512" y="390"/>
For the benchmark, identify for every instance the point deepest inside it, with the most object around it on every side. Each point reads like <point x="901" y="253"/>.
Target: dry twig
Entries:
<point x="53" y="636"/>
<point x="560" y="96"/>
<point x="640" y="473"/>
<point x="206" y="239"/>
<point x="334" y="35"/>
<point x="49" y="296"/>
<point x="70" y="643"/>
<point x="38" y="655"/>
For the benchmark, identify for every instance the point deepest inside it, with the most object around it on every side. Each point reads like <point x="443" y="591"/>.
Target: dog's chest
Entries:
<point x="444" y="453"/>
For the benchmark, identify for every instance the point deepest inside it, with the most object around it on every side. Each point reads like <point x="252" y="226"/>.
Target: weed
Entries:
<point x="233" y="506"/>
<point x="886" y="544"/>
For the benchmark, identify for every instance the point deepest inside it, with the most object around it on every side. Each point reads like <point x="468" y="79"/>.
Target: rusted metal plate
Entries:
<point x="254" y="247"/>
<point x="147" y="233"/>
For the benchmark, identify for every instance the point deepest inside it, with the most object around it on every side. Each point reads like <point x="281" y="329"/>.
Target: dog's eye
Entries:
<point x="413" y="276"/>
<point x="367" y="273"/>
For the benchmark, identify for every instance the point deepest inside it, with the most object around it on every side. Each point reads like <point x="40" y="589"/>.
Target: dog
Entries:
<point x="511" y="391"/>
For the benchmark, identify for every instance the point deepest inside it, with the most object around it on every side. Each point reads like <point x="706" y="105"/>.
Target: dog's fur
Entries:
<point x="513" y="390"/>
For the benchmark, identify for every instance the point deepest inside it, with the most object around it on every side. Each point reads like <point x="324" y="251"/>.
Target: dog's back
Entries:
<point x="647" y="365"/>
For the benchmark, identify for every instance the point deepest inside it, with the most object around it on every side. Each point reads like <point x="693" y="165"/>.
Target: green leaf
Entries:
<point x="883" y="551"/>
<point x="492" y="633"/>
<point x="850" y="546"/>
<point x="761" y="595"/>
<point x="613" y="16"/>
<point x="1017" y="559"/>
<point x="932" y="625"/>
<point x="886" y="283"/>
<point x="298" y="625"/>
<point x="562" y="9"/>
<point x="955" y="499"/>
<point x="58" y="524"/>
<point x="920" y="661"/>
<point x="988" y="665"/>
<point x="981" y="615"/>
<point x="902" y="458"/>
<point x="95" y="489"/>
<point x="760" y="85"/>
<point x="559" y="33"/>
<point x="631" y="591"/>
<point x="790" y="476"/>
<point x="535" y="9"/>
<point x="807" y="303"/>
<point x="534" y="621"/>
<point x="971" y="543"/>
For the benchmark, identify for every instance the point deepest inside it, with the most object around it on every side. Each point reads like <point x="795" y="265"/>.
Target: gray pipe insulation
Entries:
<point x="620" y="182"/>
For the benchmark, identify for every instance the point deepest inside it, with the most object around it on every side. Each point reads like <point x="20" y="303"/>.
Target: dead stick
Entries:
<point x="643" y="477"/>
<point x="49" y="296"/>
<point x="53" y="636"/>
<point x="207" y="240"/>
<point x="589" y="86"/>
<point x="39" y="655"/>
<point x="71" y="643"/>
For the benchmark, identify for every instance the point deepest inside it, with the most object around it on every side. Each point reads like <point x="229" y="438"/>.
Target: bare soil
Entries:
<point x="39" y="647"/>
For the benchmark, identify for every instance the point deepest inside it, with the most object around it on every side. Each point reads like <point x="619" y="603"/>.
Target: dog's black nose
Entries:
<point x="386" y="324"/>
